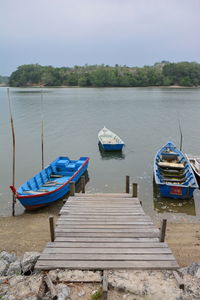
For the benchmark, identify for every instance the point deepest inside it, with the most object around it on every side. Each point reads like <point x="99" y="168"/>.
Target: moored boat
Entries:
<point x="52" y="183"/>
<point x="109" y="141"/>
<point x="173" y="174"/>
<point x="195" y="164"/>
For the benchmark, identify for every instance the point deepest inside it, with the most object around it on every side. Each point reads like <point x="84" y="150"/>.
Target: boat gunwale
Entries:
<point x="47" y="193"/>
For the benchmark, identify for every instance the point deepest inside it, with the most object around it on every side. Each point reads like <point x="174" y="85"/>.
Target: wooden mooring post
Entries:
<point x="163" y="230"/>
<point x="127" y="184"/>
<point x="134" y="190"/>
<point x="83" y="184"/>
<point x="72" y="188"/>
<point x="51" y="226"/>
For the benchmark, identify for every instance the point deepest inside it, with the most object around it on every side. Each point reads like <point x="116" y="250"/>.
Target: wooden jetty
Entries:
<point x="105" y="231"/>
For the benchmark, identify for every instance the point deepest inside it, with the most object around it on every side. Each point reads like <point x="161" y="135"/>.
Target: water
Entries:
<point x="145" y="118"/>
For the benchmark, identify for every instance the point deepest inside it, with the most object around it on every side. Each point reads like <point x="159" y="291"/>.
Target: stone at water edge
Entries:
<point x="14" y="268"/>
<point x="29" y="260"/>
<point x="63" y="291"/>
<point x="10" y="258"/>
<point x="3" y="267"/>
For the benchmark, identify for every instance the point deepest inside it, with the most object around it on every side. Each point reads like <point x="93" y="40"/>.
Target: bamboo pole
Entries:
<point x="13" y="140"/>
<point x="42" y="130"/>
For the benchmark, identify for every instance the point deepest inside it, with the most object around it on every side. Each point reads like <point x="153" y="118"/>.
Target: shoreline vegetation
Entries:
<point x="162" y="74"/>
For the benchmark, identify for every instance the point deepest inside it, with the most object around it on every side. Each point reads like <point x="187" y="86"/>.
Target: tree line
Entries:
<point x="160" y="74"/>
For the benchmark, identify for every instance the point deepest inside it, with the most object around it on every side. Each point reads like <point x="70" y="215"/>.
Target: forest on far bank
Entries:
<point x="160" y="74"/>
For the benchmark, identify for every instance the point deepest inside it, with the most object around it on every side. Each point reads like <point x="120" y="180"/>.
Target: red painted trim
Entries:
<point x="39" y="195"/>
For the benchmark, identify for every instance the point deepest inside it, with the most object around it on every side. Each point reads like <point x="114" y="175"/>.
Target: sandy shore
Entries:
<point x="30" y="232"/>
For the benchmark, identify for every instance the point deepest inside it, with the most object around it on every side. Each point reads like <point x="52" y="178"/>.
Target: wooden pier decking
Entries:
<point x="105" y="231"/>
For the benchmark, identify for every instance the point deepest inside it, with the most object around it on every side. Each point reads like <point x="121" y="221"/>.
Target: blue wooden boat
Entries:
<point x="173" y="174"/>
<point x="52" y="183"/>
<point x="109" y="141"/>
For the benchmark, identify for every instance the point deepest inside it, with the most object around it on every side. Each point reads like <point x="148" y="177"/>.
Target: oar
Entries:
<point x="42" y="130"/>
<point x="181" y="140"/>
<point x="13" y="139"/>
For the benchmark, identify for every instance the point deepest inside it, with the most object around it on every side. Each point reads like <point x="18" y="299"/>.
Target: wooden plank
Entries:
<point x="105" y="265"/>
<point x="105" y="239"/>
<point x="103" y="226"/>
<point x="105" y="230"/>
<point x="103" y="214"/>
<point x="99" y="222"/>
<point x="106" y="257"/>
<point x="108" y="234"/>
<point x="91" y="244"/>
<point x="117" y="195"/>
<point x="105" y="218"/>
<point x="115" y="250"/>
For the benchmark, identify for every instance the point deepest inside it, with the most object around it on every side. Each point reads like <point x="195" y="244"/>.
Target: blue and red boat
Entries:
<point x="173" y="174"/>
<point x="52" y="183"/>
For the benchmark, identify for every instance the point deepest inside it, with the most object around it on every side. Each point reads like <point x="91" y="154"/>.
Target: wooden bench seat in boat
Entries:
<point x="165" y="164"/>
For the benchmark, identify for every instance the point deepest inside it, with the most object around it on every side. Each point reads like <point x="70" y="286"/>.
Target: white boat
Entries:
<point x="110" y="141"/>
<point x="195" y="164"/>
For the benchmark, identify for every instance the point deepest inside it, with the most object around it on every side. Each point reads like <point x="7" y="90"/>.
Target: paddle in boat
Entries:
<point x="52" y="183"/>
<point x="173" y="174"/>
<point x="109" y="141"/>
<point x="195" y="164"/>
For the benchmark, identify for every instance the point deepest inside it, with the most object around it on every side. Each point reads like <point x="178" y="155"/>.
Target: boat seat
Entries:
<point x="171" y="165"/>
<point x="56" y="176"/>
<point x="35" y="192"/>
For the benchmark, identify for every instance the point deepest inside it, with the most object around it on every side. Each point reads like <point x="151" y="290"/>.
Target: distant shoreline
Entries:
<point x="103" y="87"/>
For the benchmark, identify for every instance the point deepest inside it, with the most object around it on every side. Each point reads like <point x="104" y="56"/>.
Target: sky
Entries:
<point x="78" y="32"/>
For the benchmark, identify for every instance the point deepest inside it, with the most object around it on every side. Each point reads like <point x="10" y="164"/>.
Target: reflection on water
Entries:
<point x="110" y="154"/>
<point x="162" y="205"/>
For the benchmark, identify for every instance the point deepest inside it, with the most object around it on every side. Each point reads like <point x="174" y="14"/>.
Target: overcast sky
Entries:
<point x="78" y="32"/>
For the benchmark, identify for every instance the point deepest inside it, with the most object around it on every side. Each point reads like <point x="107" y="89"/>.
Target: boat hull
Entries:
<point x="110" y="147"/>
<point x="173" y="174"/>
<point x="175" y="192"/>
<point x="36" y="201"/>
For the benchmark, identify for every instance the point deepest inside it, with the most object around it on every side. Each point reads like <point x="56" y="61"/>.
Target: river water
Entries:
<point x="145" y="118"/>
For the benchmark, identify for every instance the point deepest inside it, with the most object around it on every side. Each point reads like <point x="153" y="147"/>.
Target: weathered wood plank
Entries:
<point x="106" y="230"/>
<point x="106" y="265"/>
<point x="106" y="257"/>
<point x="107" y="234"/>
<point x="103" y="214"/>
<point x="98" y="250"/>
<point x="102" y="226"/>
<point x="94" y="195"/>
<point x="116" y="245"/>
<point x="106" y="239"/>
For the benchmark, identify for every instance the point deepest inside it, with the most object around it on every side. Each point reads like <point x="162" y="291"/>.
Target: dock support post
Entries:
<point x="105" y="285"/>
<point x="127" y="184"/>
<point x="135" y="190"/>
<point x="83" y="184"/>
<point x="51" y="226"/>
<point x="72" y="188"/>
<point x="163" y="230"/>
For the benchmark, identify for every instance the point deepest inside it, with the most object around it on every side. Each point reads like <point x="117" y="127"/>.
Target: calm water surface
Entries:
<point x="145" y="118"/>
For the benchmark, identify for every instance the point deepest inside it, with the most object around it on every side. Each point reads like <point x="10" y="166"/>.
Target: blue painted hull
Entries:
<point x="173" y="174"/>
<point x="111" y="147"/>
<point x="175" y="192"/>
<point x="42" y="199"/>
